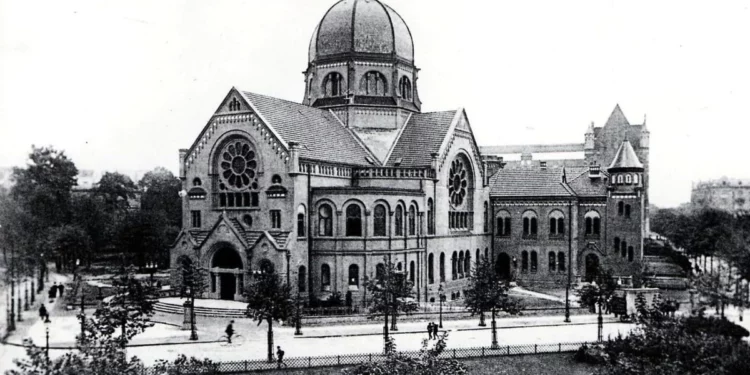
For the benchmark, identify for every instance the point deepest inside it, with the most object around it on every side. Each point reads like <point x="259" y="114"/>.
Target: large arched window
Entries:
<point x="524" y="261"/>
<point x="399" y="221"/>
<point x="534" y="261"/>
<point x="353" y="221"/>
<point x="325" y="221"/>
<point x="430" y="217"/>
<point x="442" y="267"/>
<point x="460" y="181"/>
<point x="502" y="225"/>
<point x="529" y="224"/>
<point x="236" y="164"/>
<point x="325" y="277"/>
<point x="556" y="223"/>
<point x="373" y="83"/>
<point x="486" y="217"/>
<point x="412" y="220"/>
<point x="354" y="275"/>
<point x="467" y="263"/>
<point x="552" y="262"/>
<point x="333" y="85"/>
<point x="301" y="223"/>
<point x="302" y="279"/>
<point x="404" y="88"/>
<point x="379" y="220"/>
<point x="593" y="223"/>
<point x="431" y="269"/>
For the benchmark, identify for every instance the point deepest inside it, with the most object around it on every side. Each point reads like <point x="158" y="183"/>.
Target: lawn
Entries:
<point x="543" y="364"/>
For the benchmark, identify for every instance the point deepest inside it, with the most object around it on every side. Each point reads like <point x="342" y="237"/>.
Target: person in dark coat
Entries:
<point x="43" y="313"/>
<point x="434" y="331"/>
<point x="60" y="288"/>
<point x="429" y="330"/>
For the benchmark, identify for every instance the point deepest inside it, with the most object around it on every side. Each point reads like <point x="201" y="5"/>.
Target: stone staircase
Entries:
<point x="666" y="274"/>
<point x="211" y="312"/>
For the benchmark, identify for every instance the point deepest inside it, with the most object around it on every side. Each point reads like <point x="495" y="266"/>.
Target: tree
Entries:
<point x="70" y="242"/>
<point x="488" y="292"/>
<point x="269" y="300"/>
<point x="392" y="293"/>
<point x="142" y="234"/>
<point x="191" y="282"/>
<point x="428" y="362"/>
<point x="161" y="193"/>
<point x="90" y="214"/>
<point x="130" y="308"/>
<point x="117" y="190"/>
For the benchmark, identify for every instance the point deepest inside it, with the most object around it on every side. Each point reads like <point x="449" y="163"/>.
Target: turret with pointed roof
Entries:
<point x="625" y="160"/>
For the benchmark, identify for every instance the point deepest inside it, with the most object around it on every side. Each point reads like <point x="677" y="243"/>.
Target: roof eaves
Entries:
<point x="398" y="139"/>
<point x="265" y="121"/>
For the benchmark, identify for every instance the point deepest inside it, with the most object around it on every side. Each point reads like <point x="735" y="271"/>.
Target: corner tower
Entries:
<point x="361" y="66"/>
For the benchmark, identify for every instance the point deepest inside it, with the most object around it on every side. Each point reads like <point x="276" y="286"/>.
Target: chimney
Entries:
<point x="494" y="163"/>
<point x="595" y="171"/>
<point x="183" y="153"/>
<point x="293" y="164"/>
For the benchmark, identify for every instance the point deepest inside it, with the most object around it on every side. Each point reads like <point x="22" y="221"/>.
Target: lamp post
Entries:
<point x="151" y="267"/>
<point x="193" y="331"/>
<point x="298" y="318"/>
<point x="26" y="294"/>
<point x="441" y="295"/>
<point x="46" y="332"/>
<point x="599" y="319"/>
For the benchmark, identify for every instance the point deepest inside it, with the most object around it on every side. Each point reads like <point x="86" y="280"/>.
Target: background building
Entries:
<point x="728" y="194"/>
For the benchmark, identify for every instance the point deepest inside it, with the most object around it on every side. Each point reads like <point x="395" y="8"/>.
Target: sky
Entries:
<point x="122" y="85"/>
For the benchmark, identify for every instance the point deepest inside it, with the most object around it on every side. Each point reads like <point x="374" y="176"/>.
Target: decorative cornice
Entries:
<point x="530" y="203"/>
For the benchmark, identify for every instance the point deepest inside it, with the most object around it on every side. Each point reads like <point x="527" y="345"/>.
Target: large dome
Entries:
<point x="364" y="27"/>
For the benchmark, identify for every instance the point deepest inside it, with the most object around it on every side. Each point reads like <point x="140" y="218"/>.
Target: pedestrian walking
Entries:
<point x="434" y="331"/>
<point x="61" y="288"/>
<point x="280" y="357"/>
<point x="43" y="313"/>
<point x="429" y="330"/>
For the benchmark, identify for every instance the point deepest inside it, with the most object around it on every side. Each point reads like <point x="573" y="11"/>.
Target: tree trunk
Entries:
<point x="270" y="340"/>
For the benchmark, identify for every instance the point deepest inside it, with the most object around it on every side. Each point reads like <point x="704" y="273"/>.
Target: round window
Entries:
<point x="238" y="166"/>
<point x="457" y="182"/>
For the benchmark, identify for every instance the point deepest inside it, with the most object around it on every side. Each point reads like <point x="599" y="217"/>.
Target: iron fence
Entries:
<point x="242" y="367"/>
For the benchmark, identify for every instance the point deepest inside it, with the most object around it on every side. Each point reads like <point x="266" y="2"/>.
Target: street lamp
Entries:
<point x="151" y="267"/>
<point x="46" y="331"/>
<point x="26" y="294"/>
<point x="441" y="295"/>
<point x="298" y="318"/>
<point x="193" y="331"/>
<point x="599" y="319"/>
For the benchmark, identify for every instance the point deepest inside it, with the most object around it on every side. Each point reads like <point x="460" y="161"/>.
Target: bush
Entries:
<point x="594" y="355"/>
<point x="714" y="326"/>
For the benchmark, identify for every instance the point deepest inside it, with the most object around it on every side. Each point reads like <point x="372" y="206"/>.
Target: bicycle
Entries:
<point x="236" y="340"/>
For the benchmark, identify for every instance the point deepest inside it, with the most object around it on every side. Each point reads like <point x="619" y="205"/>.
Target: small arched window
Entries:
<point x="197" y="182"/>
<point x="476" y="258"/>
<point x="529" y="224"/>
<point x="627" y="210"/>
<point x="276" y="179"/>
<point x="412" y="271"/>
<point x="552" y="261"/>
<point x="556" y="223"/>
<point x="353" y="221"/>
<point x="301" y="223"/>
<point x="442" y="267"/>
<point x="630" y="253"/>
<point x="620" y="208"/>
<point x="534" y="261"/>
<point x="525" y="261"/>
<point x="379" y="220"/>
<point x="502" y="224"/>
<point x="467" y="263"/>
<point x="486" y="217"/>
<point x="325" y="221"/>
<point x="404" y="88"/>
<point x="354" y="275"/>
<point x="302" y="279"/>
<point x="325" y="276"/>
<point x="628" y="179"/>
<point x="373" y="83"/>
<point x="617" y="244"/>
<point x="623" y="249"/>
<point x="619" y="179"/>
<point x="593" y="223"/>
<point x="333" y="85"/>
<point x="430" y="217"/>
<point x="561" y="261"/>
<point x="399" y="221"/>
<point x="635" y="179"/>
<point x="454" y="266"/>
<point x="248" y="220"/>
<point x="412" y="220"/>
<point x="460" y="264"/>
<point x="431" y="269"/>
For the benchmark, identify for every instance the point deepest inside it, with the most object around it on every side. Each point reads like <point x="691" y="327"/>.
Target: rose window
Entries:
<point x="457" y="183"/>
<point x="238" y="166"/>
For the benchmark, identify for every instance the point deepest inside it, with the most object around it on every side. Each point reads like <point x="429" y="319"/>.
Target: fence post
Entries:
<point x="483" y="351"/>
<point x="534" y="348"/>
<point x="508" y="353"/>
<point x="338" y="360"/>
<point x="246" y="366"/>
<point x="370" y="357"/>
<point x="454" y="353"/>
<point x="309" y="362"/>
<point x="559" y="348"/>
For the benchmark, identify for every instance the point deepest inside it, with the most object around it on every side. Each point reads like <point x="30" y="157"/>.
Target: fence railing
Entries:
<point x="240" y="367"/>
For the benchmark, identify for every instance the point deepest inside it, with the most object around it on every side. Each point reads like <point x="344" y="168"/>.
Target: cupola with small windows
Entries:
<point x="626" y="171"/>
<point x="361" y="65"/>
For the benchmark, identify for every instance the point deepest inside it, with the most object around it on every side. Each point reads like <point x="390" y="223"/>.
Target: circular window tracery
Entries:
<point x="238" y="166"/>
<point x="458" y="182"/>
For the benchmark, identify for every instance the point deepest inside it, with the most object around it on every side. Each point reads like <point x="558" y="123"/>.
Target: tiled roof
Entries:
<point x="528" y="183"/>
<point x="422" y="135"/>
<point x="584" y="186"/>
<point x="321" y="136"/>
<point x="252" y="236"/>
<point x="200" y="235"/>
<point x="625" y="157"/>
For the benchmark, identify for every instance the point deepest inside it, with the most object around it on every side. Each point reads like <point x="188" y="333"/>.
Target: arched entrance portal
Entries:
<point x="502" y="267"/>
<point x="226" y="274"/>
<point x="592" y="267"/>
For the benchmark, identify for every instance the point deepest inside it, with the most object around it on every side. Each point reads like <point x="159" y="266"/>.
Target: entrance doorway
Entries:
<point x="503" y="266"/>
<point x="225" y="266"/>
<point x="592" y="267"/>
<point x="228" y="286"/>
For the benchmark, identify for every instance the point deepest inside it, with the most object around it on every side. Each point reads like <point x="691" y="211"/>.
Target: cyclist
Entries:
<point x="230" y="331"/>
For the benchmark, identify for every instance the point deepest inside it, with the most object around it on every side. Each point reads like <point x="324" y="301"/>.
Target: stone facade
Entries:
<point x="731" y="195"/>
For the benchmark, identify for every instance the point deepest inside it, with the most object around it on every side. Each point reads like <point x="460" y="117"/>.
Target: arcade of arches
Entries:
<point x="226" y="274"/>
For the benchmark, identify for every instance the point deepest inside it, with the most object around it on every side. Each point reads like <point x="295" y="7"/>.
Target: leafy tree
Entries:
<point x="117" y="190"/>
<point x="428" y="362"/>
<point x="191" y="282"/>
<point x="269" y="300"/>
<point x="161" y="193"/>
<point x="142" y="234"/>
<point x="489" y="293"/>
<point x="392" y="293"/>
<point x="130" y="308"/>
<point x="90" y="214"/>
<point x="71" y="242"/>
<point x="598" y="292"/>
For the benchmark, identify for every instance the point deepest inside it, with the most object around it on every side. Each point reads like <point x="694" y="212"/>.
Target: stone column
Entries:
<point x="237" y="287"/>
<point x="218" y="285"/>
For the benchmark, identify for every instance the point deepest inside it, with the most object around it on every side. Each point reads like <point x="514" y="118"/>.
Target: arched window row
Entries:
<point x="373" y="83"/>
<point x="530" y="224"/>
<point x="405" y="221"/>
<point x="334" y="85"/>
<point x="623" y="209"/>
<point x="556" y="262"/>
<point x="626" y="178"/>
<point x="593" y="223"/>
<point x="533" y="261"/>
<point x="556" y="224"/>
